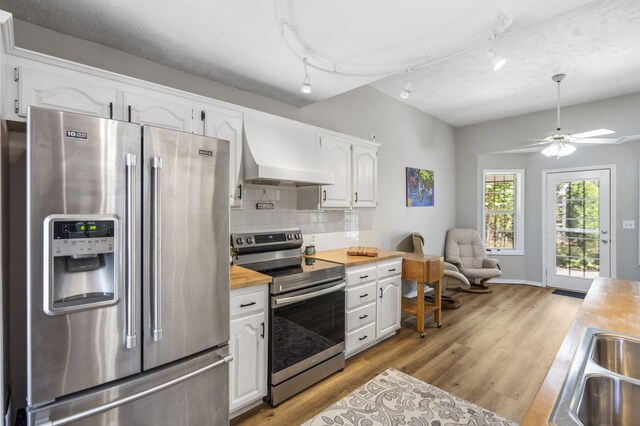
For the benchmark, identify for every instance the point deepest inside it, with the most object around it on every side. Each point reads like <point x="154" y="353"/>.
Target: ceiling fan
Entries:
<point x="559" y="143"/>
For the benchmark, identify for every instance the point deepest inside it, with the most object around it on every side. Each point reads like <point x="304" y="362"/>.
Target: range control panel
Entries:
<point x="266" y="239"/>
<point x="72" y="238"/>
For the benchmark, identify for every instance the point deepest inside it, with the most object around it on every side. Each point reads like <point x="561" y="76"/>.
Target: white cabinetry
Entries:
<point x="365" y="176"/>
<point x="373" y="300"/>
<point x="248" y="370"/>
<point x="158" y="110"/>
<point x="227" y="124"/>
<point x="73" y="92"/>
<point x="337" y="156"/>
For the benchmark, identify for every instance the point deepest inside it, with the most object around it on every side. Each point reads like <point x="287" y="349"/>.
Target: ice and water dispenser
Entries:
<point x="81" y="263"/>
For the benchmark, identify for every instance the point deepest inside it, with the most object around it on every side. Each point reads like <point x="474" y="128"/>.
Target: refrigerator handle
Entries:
<point x="130" y="292"/>
<point x="156" y="165"/>
<point x="120" y="402"/>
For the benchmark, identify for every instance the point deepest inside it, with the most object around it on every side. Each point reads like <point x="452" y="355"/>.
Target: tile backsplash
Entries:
<point x="286" y="215"/>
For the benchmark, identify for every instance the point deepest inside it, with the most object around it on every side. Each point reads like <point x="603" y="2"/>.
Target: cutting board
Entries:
<point x="363" y="251"/>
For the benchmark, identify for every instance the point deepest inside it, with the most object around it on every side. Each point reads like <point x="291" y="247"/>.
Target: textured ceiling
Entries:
<point x="236" y="42"/>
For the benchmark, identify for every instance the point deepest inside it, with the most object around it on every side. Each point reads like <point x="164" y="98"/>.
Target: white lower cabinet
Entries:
<point x="373" y="299"/>
<point x="248" y="345"/>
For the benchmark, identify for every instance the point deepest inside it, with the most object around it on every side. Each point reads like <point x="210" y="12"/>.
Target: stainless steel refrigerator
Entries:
<point x="127" y="274"/>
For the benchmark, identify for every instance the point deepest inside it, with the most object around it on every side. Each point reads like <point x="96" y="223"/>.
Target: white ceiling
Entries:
<point x="236" y="42"/>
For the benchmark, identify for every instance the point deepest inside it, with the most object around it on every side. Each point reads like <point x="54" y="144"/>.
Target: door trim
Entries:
<point x="612" y="211"/>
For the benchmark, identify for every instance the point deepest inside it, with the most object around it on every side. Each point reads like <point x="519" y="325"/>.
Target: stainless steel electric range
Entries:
<point x="307" y="310"/>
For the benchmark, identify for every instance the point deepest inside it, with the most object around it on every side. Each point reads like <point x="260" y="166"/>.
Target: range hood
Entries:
<point x="282" y="152"/>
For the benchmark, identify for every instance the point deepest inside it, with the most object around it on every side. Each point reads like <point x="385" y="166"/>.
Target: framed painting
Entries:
<point x="419" y="187"/>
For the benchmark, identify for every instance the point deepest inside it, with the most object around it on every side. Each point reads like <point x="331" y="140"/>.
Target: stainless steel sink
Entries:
<point x="608" y="400"/>
<point x="602" y="386"/>
<point x="618" y="354"/>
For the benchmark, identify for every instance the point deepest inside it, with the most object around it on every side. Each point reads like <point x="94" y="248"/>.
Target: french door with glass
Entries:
<point x="578" y="226"/>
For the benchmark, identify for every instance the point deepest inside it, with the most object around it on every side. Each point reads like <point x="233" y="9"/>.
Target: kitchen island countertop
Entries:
<point x="341" y="256"/>
<point x="243" y="277"/>
<point x="612" y="305"/>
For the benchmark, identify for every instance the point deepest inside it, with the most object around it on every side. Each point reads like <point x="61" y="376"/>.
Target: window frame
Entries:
<point x="518" y="239"/>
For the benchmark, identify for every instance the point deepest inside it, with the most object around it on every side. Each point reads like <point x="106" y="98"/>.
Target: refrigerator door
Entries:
<point x="191" y="393"/>
<point x="186" y="234"/>
<point x="83" y="252"/>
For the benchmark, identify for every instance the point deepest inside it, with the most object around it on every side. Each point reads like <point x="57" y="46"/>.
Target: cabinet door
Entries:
<point x="365" y="175"/>
<point x="247" y="381"/>
<point x="157" y="109"/>
<point x="227" y="124"/>
<point x="388" y="311"/>
<point x="70" y="93"/>
<point x="337" y="156"/>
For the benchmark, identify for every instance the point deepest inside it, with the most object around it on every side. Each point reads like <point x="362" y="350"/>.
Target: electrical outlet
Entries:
<point x="628" y="224"/>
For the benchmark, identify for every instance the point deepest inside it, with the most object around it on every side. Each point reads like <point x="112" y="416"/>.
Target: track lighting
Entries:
<point x="496" y="61"/>
<point x="406" y="92"/>
<point x="306" y="84"/>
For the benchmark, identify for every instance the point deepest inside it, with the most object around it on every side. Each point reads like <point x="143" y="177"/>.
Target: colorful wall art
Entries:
<point x="419" y="187"/>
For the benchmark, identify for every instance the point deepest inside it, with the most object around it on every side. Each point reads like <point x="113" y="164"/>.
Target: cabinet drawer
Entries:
<point x="245" y="303"/>
<point x="360" y="316"/>
<point x="361" y="275"/>
<point x="390" y="268"/>
<point x="361" y="295"/>
<point x="360" y="337"/>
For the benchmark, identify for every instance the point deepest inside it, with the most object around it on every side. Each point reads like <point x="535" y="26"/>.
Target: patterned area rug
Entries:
<point x="395" y="398"/>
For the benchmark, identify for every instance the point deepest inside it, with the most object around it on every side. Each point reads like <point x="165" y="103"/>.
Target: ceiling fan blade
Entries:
<point x="534" y="140"/>
<point x="608" y="141"/>
<point x="593" y="133"/>
<point x="526" y="148"/>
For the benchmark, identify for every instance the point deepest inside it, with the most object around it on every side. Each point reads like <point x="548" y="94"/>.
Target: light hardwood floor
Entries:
<point x="493" y="351"/>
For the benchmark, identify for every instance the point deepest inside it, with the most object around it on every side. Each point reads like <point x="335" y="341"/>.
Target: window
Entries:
<point x="503" y="211"/>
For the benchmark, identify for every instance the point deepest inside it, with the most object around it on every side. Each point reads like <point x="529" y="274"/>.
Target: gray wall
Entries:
<point x="474" y="144"/>
<point x="408" y="136"/>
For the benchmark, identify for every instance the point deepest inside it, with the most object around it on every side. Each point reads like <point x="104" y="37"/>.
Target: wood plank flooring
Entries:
<point x="493" y="351"/>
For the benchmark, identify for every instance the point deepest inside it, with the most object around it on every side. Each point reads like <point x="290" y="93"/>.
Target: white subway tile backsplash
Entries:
<point x="285" y="214"/>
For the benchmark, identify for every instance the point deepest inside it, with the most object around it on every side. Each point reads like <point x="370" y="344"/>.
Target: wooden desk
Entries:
<point x="425" y="269"/>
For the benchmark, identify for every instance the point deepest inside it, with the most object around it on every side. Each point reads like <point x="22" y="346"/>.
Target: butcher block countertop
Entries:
<point x="243" y="277"/>
<point x="341" y="256"/>
<point x="612" y="305"/>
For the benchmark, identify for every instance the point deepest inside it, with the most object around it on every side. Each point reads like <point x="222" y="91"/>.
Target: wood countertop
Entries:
<point x="243" y="277"/>
<point x="612" y="305"/>
<point x="341" y="256"/>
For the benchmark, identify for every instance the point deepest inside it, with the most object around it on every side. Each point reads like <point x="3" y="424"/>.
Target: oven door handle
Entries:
<point x="284" y="301"/>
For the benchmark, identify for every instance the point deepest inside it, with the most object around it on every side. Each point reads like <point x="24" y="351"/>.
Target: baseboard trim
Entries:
<point x="510" y="281"/>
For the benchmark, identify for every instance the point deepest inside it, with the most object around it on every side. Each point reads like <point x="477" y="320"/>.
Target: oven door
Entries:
<point x="307" y="328"/>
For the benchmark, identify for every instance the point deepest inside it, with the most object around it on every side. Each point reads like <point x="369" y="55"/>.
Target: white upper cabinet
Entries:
<point x="227" y="124"/>
<point x="337" y="156"/>
<point x="365" y="177"/>
<point x="158" y="109"/>
<point x="73" y="92"/>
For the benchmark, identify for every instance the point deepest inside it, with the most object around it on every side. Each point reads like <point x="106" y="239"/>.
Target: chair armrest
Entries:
<point x="489" y="263"/>
<point x="450" y="267"/>
<point x="453" y="260"/>
<point x="460" y="281"/>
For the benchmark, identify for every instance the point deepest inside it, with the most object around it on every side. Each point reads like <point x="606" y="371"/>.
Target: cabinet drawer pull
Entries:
<point x="364" y="295"/>
<point x="244" y="305"/>
<point x="262" y="335"/>
<point x="240" y="192"/>
<point x="363" y="337"/>
<point x="392" y="270"/>
<point x="324" y="195"/>
<point x="363" y="317"/>
<point x="356" y="197"/>
<point x="364" y="276"/>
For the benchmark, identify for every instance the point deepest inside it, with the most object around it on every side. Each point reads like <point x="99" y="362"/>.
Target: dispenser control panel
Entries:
<point x="82" y="237"/>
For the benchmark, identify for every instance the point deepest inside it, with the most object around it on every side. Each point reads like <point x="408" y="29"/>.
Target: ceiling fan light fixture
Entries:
<point x="495" y="61"/>
<point x="558" y="149"/>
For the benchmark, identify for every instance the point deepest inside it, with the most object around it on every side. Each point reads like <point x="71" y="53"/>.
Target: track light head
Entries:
<point x="306" y="84"/>
<point x="495" y="61"/>
<point x="406" y="92"/>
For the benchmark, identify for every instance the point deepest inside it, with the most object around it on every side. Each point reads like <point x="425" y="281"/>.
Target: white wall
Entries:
<point x="474" y="144"/>
<point x="408" y="136"/>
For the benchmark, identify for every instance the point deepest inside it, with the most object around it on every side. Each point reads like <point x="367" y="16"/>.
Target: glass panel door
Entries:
<point x="577" y="228"/>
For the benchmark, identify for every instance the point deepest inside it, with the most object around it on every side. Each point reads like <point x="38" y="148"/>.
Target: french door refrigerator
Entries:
<point x="127" y="273"/>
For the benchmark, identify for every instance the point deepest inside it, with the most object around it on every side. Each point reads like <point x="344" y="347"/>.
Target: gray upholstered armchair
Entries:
<point x="452" y="281"/>
<point x="464" y="249"/>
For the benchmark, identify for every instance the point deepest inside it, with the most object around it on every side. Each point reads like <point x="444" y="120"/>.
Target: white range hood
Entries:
<point x="278" y="151"/>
